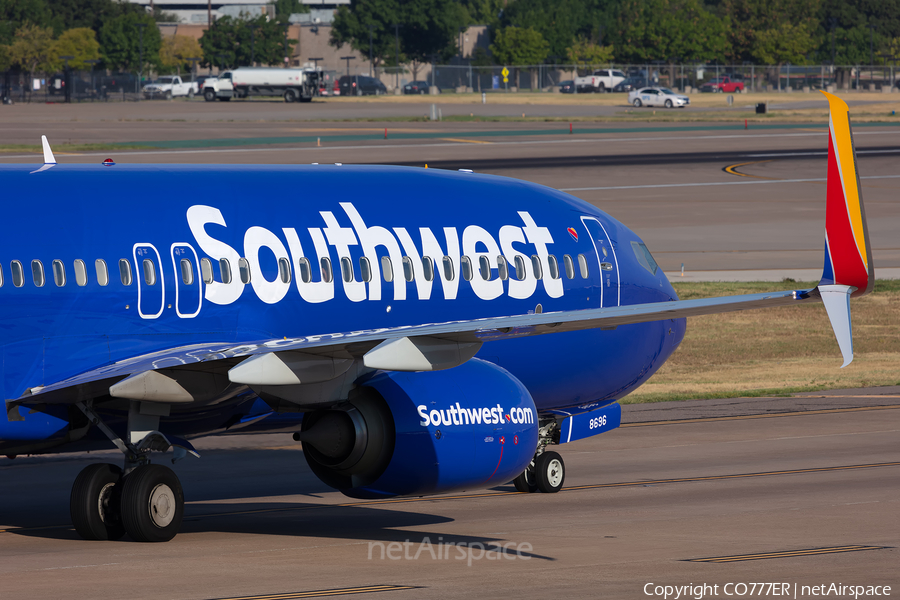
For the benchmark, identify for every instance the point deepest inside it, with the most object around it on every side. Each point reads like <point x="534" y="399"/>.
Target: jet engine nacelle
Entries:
<point x="470" y="427"/>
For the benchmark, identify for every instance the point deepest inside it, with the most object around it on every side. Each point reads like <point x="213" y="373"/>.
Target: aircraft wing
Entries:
<point x="422" y="347"/>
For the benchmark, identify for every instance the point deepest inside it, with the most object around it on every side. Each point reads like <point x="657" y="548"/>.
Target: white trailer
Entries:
<point x="243" y="82"/>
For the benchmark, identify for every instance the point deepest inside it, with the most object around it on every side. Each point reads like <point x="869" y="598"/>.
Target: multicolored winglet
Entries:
<point x="848" y="256"/>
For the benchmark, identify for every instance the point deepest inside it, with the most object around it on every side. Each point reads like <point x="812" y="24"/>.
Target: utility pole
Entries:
<point x="397" y="52"/>
<point x="141" y="65"/>
<point x="371" y="61"/>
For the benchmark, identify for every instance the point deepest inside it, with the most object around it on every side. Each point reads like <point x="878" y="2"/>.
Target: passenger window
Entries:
<point x="465" y="266"/>
<point x="520" y="268"/>
<point x="502" y="268"/>
<point x="387" y="269"/>
<point x="326" y="270"/>
<point x="304" y="269"/>
<point x="569" y="265"/>
<point x="244" y="270"/>
<point x="149" y="272"/>
<point x="187" y="271"/>
<point x="484" y="267"/>
<point x="102" y="272"/>
<point x="408" y="273"/>
<point x="206" y="269"/>
<point x="428" y="268"/>
<point x="365" y="269"/>
<point x="125" y="271"/>
<point x="1" y="275"/>
<point x="583" y="266"/>
<point x="536" y="265"/>
<point x="347" y="269"/>
<point x="554" y="266"/>
<point x="59" y="273"/>
<point x="284" y="270"/>
<point x="80" y="273"/>
<point x="37" y="272"/>
<point x="18" y="273"/>
<point x="225" y="270"/>
<point x="449" y="275"/>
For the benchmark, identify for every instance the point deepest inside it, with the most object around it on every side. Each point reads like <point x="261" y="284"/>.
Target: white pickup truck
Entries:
<point x="602" y="80"/>
<point x="168" y="87"/>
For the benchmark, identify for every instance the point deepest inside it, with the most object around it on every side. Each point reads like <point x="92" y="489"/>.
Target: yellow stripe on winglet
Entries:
<point x="839" y="126"/>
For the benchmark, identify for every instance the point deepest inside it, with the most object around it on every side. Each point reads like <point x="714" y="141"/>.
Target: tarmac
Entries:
<point x="801" y="491"/>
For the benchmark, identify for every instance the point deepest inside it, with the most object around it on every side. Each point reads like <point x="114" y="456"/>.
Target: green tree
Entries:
<point x="483" y="12"/>
<point x="285" y="8"/>
<point x="175" y="52"/>
<point x="770" y="18"/>
<point x="70" y="14"/>
<point x="647" y="30"/>
<point x="233" y="42"/>
<point x="427" y="28"/>
<point x="782" y="44"/>
<point x="560" y="22"/>
<point x="516" y="46"/>
<point x="354" y="24"/>
<point x="586" y="51"/>
<point x="120" y="41"/>
<point x="81" y="43"/>
<point x="32" y="50"/>
<point x="16" y="13"/>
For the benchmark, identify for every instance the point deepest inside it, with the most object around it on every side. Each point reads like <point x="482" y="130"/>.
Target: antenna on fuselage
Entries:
<point x="49" y="159"/>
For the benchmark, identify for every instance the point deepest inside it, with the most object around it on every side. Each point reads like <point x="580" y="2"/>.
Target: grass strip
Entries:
<point x="778" y="352"/>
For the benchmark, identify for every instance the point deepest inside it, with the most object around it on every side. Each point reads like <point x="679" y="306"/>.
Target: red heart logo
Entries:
<point x="573" y="233"/>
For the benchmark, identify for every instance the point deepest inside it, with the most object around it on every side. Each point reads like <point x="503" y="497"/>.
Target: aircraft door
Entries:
<point x="188" y="280"/>
<point x="150" y="279"/>
<point x="610" y="294"/>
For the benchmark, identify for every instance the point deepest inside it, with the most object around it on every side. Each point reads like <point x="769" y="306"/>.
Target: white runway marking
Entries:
<point x="740" y="182"/>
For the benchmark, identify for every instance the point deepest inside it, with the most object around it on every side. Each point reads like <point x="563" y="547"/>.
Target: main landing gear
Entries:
<point x="547" y="471"/>
<point x="144" y="500"/>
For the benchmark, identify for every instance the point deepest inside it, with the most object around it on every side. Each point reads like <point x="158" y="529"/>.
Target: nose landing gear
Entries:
<point x="546" y="472"/>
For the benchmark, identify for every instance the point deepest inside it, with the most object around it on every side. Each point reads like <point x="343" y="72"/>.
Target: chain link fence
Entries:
<point x="105" y="86"/>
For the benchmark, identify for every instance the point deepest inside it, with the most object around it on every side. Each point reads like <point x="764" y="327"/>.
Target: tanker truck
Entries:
<point x="244" y="82"/>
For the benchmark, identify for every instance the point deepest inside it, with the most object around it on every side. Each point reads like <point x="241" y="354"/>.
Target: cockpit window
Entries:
<point x="644" y="257"/>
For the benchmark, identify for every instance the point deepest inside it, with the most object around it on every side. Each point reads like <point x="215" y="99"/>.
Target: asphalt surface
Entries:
<point x="814" y="490"/>
<point x="805" y="499"/>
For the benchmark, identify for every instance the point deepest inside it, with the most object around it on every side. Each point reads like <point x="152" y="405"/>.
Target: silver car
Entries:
<point x="657" y="96"/>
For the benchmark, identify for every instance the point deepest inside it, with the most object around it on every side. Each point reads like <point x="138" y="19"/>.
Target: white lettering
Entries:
<point x="510" y="234"/>
<point x="474" y="235"/>
<point x="540" y="237"/>
<point x="216" y="292"/>
<point x="269" y="292"/>
<point x="342" y="238"/>
<point x="370" y="238"/>
<point x="430" y="247"/>
<point x="313" y="291"/>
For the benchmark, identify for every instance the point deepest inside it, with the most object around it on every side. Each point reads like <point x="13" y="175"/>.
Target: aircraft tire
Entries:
<point x="93" y="504"/>
<point x="549" y="472"/>
<point x="152" y="504"/>
<point x="525" y="482"/>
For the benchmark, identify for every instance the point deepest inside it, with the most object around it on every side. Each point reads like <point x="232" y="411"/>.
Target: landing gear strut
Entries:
<point x="145" y="501"/>
<point x="546" y="472"/>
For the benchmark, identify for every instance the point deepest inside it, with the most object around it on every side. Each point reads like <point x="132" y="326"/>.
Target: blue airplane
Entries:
<point x="413" y="348"/>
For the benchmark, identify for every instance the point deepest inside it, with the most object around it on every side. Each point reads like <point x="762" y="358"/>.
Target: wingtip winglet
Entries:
<point x="837" y="304"/>
<point x="49" y="159"/>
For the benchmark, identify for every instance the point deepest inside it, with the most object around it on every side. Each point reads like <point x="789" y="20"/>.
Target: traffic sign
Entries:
<point x="505" y="73"/>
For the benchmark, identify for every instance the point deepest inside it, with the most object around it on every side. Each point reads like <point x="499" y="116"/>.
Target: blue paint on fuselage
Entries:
<point x="88" y="213"/>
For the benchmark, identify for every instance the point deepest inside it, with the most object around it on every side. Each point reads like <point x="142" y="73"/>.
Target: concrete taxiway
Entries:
<point x="714" y="492"/>
<point x="709" y="492"/>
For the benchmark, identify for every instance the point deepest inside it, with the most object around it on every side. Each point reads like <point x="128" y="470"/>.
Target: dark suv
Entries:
<point x="360" y="85"/>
